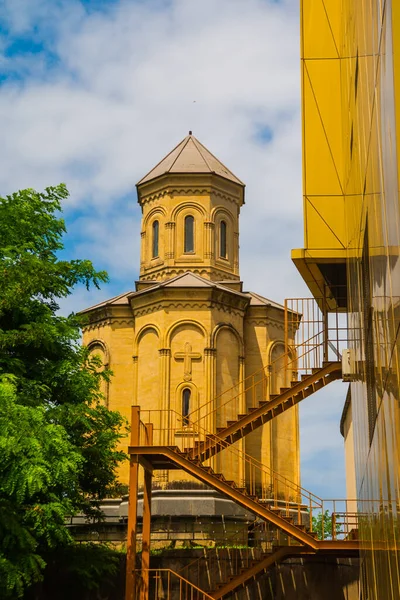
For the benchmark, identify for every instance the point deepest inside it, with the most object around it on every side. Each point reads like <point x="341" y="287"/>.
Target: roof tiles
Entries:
<point x="190" y="156"/>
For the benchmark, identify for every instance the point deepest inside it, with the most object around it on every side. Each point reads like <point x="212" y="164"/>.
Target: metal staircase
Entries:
<point x="161" y="457"/>
<point x="257" y="569"/>
<point x="268" y="409"/>
<point x="153" y="447"/>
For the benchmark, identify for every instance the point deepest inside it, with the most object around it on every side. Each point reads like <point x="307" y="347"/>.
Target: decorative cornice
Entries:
<point x="108" y="322"/>
<point x="119" y="322"/>
<point x="96" y="325"/>
<point x="264" y="322"/>
<point x="189" y="191"/>
<point x="170" y="225"/>
<point x="258" y="322"/>
<point x="166" y="272"/>
<point x="148" y="310"/>
<point x="180" y="305"/>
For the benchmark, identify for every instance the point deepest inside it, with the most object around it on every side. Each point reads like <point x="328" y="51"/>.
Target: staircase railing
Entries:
<point x="310" y="339"/>
<point x="164" y="583"/>
<point x="254" y="389"/>
<point x="246" y="471"/>
<point x="334" y="519"/>
<point x="226" y="559"/>
<point x="305" y="320"/>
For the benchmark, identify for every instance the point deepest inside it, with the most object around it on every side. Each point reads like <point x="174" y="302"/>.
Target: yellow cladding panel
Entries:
<point x="325" y="15"/>
<point x="322" y="140"/>
<point x="362" y="125"/>
<point x="325" y="222"/>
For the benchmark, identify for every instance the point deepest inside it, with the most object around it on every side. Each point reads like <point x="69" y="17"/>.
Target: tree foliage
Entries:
<point x="58" y="443"/>
<point x="323" y="525"/>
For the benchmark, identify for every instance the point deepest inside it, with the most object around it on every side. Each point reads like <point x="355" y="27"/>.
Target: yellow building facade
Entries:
<point x="185" y="344"/>
<point x="350" y="260"/>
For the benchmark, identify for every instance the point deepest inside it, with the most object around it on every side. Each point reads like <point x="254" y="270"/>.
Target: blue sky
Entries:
<point x="95" y="93"/>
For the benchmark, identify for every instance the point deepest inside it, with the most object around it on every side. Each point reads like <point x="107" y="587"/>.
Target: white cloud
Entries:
<point x="123" y="85"/>
<point x="130" y="83"/>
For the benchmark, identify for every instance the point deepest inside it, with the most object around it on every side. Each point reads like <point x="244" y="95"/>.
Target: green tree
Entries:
<point x="322" y="525"/>
<point x="58" y="443"/>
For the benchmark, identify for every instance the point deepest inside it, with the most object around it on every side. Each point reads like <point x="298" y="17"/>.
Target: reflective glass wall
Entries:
<point x="351" y="60"/>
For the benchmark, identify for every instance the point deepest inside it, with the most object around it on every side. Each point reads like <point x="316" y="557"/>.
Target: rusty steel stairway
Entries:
<point x="305" y="542"/>
<point x="278" y="555"/>
<point x="161" y="457"/>
<point x="268" y="409"/>
<point x="191" y="460"/>
<point x="165" y="455"/>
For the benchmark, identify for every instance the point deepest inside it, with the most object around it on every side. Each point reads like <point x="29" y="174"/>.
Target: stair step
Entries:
<point x="208" y="469"/>
<point x="229" y="423"/>
<point x="288" y="519"/>
<point x="313" y="534"/>
<point x="219" y="429"/>
<point x="263" y="402"/>
<point x="242" y="416"/>
<point x="284" y="389"/>
<point x="293" y="383"/>
<point x="289" y="402"/>
<point x="253" y="409"/>
<point x="230" y="482"/>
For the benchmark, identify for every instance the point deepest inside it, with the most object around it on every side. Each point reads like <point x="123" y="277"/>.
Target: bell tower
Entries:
<point x="190" y="216"/>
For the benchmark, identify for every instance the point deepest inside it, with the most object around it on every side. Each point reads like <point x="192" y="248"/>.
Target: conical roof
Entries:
<point x="190" y="156"/>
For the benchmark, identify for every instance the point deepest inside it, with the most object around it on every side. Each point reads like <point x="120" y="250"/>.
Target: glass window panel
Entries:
<point x="186" y="405"/>
<point x="189" y="234"/>
<point x="155" y="239"/>
<point x="222" y="238"/>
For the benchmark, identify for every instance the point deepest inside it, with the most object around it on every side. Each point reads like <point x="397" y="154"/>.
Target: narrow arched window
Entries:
<point x="222" y="239"/>
<point x="186" y="393"/>
<point x="156" y="228"/>
<point x="189" y="234"/>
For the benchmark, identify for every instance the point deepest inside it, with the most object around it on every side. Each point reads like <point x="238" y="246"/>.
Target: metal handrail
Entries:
<point x="252" y="462"/>
<point x="173" y="573"/>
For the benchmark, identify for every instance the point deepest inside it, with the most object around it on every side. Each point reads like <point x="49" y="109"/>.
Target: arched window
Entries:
<point x="186" y="393"/>
<point x="189" y="234"/>
<point x="222" y="239"/>
<point x="156" y="228"/>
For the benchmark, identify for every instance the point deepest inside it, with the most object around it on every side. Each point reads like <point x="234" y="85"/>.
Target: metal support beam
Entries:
<point x="146" y="530"/>
<point x="130" y="583"/>
<point x="326" y="327"/>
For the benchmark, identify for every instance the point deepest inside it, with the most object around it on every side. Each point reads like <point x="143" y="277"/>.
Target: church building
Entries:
<point x="188" y="344"/>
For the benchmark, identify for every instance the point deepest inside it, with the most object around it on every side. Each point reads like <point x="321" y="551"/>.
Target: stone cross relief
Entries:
<point x="187" y="356"/>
